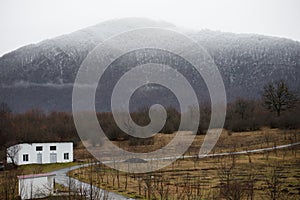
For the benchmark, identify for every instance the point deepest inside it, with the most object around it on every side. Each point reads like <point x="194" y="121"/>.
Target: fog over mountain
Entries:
<point x="42" y="75"/>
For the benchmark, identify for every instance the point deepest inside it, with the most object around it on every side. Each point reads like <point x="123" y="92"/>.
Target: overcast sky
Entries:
<point x="29" y="21"/>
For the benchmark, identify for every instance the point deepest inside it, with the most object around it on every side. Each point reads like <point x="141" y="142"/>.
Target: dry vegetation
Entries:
<point x="268" y="175"/>
<point x="227" y="142"/>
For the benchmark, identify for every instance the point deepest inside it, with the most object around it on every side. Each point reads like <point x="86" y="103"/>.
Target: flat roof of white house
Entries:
<point x="35" y="175"/>
<point x="31" y="143"/>
<point x="41" y="142"/>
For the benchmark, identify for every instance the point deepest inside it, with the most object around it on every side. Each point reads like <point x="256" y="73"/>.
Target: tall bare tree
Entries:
<point x="277" y="97"/>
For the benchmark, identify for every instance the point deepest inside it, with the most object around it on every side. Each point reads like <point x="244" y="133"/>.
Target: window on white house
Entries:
<point x="52" y="148"/>
<point x="66" y="156"/>
<point x="39" y="148"/>
<point x="25" y="157"/>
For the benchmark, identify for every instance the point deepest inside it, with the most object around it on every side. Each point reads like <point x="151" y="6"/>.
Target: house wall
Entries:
<point x="37" y="187"/>
<point x="45" y="154"/>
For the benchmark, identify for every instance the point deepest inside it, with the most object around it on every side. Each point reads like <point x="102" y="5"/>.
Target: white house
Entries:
<point x="36" y="185"/>
<point x="40" y="153"/>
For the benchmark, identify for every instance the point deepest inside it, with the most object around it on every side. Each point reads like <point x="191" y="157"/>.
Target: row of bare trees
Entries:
<point x="233" y="181"/>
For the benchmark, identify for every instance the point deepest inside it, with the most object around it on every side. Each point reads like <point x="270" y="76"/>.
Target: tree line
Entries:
<point x="278" y="108"/>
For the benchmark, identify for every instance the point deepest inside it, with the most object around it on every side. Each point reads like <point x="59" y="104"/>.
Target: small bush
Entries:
<point x="133" y="141"/>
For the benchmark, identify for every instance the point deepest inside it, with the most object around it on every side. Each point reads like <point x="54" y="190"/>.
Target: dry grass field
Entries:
<point x="267" y="175"/>
<point x="227" y="142"/>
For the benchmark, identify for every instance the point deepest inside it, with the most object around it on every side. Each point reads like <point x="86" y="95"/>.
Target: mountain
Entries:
<point x="42" y="75"/>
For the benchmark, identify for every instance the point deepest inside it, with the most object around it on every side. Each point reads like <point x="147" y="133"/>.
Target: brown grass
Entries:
<point x="188" y="177"/>
<point x="227" y="142"/>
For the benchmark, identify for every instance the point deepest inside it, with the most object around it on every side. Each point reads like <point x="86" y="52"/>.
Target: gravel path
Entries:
<point x="62" y="178"/>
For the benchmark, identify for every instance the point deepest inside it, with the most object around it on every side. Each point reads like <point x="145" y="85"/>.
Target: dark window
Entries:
<point x="66" y="156"/>
<point x="25" y="157"/>
<point x="39" y="148"/>
<point x="52" y="148"/>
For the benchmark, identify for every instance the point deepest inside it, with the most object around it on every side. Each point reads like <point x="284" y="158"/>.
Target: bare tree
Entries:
<point x="8" y="185"/>
<point x="12" y="153"/>
<point x="148" y="180"/>
<point x="273" y="182"/>
<point x="277" y="97"/>
<point x="251" y="179"/>
<point x="161" y="186"/>
<point x="243" y="108"/>
<point x="267" y="137"/>
<point x="231" y="188"/>
<point x="4" y="108"/>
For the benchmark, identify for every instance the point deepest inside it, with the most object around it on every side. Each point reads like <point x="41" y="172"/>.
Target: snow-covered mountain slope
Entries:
<point x="41" y="75"/>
